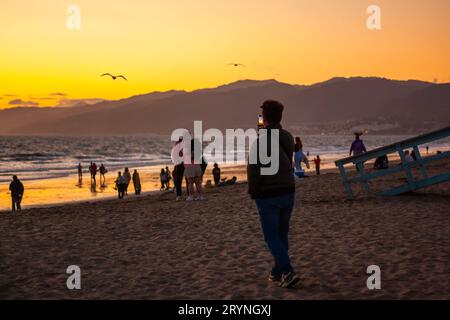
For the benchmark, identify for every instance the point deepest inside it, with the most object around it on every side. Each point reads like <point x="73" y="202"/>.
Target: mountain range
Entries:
<point x="339" y="105"/>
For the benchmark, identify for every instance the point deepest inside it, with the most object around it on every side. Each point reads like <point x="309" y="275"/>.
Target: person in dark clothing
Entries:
<point x="358" y="146"/>
<point x="178" y="171"/>
<point x="216" y="174"/>
<point x="121" y="185"/>
<point x="317" y="162"/>
<point x="381" y="163"/>
<point x="178" y="174"/>
<point x="80" y="173"/>
<point x="103" y="172"/>
<point x="275" y="194"/>
<point x="137" y="183"/>
<point x="17" y="190"/>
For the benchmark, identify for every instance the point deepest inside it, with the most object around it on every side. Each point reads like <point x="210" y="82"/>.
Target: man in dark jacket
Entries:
<point x="17" y="190"/>
<point x="274" y="193"/>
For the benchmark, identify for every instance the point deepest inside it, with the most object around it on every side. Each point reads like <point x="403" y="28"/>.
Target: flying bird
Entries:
<point x="114" y="77"/>
<point x="237" y="64"/>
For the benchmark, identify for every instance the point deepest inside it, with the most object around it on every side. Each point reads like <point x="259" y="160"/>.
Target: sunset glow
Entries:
<point x="161" y="45"/>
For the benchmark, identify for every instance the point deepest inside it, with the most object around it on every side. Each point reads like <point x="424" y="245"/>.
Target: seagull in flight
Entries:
<point x="237" y="65"/>
<point x="114" y="77"/>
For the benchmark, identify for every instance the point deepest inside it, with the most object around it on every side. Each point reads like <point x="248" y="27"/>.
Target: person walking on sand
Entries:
<point x="178" y="171"/>
<point x="17" y="190"/>
<point x="317" y="162"/>
<point x="127" y="177"/>
<point x="137" y="183"/>
<point x="80" y="173"/>
<point x="275" y="194"/>
<point x="216" y="174"/>
<point x="120" y="185"/>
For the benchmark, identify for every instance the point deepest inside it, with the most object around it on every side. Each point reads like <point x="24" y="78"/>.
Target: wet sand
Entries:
<point x="152" y="247"/>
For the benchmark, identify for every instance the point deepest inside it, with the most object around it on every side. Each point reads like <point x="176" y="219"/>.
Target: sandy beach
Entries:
<point x="152" y="247"/>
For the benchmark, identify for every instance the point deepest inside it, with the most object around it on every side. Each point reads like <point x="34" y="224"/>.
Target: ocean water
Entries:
<point x="34" y="158"/>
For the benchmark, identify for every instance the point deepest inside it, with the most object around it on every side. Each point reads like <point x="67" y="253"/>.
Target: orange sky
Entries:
<point x="180" y="44"/>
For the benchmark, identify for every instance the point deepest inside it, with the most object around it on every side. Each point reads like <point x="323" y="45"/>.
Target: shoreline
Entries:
<point x="66" y="190"/>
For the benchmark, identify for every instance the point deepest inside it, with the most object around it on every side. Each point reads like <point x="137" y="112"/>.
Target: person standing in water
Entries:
<point x="275" y="194"/>
<point x="137" y="183"/>
<point x="127" y="177"/>
<point x="17" y="190"/>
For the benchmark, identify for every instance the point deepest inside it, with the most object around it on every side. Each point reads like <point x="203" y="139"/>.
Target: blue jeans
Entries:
<point x="275" y="215"/>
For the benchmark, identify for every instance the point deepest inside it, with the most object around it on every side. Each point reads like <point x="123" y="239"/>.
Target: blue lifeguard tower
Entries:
<point x="405" y="166"/>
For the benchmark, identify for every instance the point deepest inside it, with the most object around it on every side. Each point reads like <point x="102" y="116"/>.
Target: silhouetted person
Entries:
<point x="381" y="163"/>
<point x="317" y="162"/>
<point x="168" y="178"/>
<point x="275" y="193"/>
<point x="414" y="155"/>
<point x="216" y="174"/>
<point x="17" y="191"/>
<point x="103" y="172"/>
<point x="80" y="173"/>
<point x="137" y="183"/>
<point x="93" y="170"/>
<point x="127" y="176"/>
<point x="163" y="179"/>
<point x="358" y="146"/>
<point x="120" y="185"/>
<point x="428" y="149"/>
<point x="178" y="171"/>
<point x="408" y="157"/>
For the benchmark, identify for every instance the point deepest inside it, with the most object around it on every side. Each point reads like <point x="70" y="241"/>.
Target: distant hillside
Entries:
<point x="331" y="106"/>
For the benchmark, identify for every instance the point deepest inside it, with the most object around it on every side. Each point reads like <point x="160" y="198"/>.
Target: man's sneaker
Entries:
<point x="178" y="198"/>
<point x="273" y="278"/>
<point x="289" y="280"/>
<point x="190" y="198"/>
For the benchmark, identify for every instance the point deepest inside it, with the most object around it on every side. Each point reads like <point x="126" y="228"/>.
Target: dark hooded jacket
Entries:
<point x="283" y="182"/>
<point x="16" y="188"/>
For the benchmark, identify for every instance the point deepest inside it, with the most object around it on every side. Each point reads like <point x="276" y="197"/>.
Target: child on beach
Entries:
<point x="317" y="162"/>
